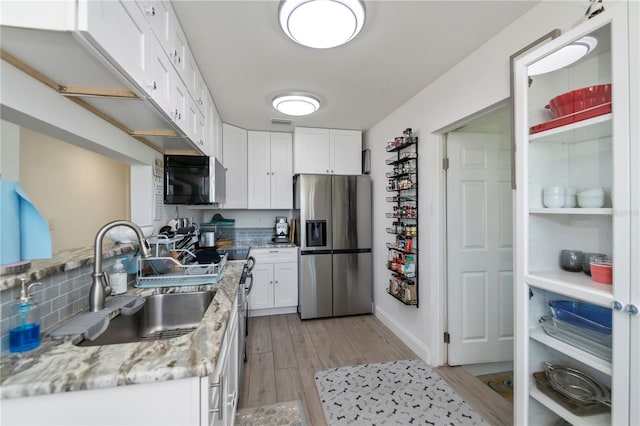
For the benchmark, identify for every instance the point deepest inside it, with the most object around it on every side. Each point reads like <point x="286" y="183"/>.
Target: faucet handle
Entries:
<point x="106" y="281"/>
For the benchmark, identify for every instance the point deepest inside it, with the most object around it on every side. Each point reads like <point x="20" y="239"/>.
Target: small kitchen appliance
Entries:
<point x="282" y="230"/>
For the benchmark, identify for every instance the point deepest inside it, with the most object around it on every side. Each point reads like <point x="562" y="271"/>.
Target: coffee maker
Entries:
<point x="282" y="230"/>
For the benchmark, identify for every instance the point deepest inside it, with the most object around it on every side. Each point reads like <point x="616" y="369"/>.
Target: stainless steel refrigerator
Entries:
<point x="334" y="234"/>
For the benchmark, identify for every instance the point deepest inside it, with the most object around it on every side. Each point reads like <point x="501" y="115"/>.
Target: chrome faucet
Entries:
<point x="100" y="287"/>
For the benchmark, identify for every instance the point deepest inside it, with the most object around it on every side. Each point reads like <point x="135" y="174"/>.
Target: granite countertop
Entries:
<point x="60" y="366"/>
<point x="64" y="261"/>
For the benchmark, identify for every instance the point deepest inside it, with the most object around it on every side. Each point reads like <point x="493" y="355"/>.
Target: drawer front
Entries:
<point x="275" y="255"/>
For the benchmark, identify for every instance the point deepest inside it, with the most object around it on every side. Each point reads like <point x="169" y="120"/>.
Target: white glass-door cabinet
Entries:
<point x="584" y="148"/>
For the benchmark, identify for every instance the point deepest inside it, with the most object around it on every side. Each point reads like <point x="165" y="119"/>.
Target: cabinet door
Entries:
<point x="120" y="29"/>
<point x="179" y="103"/>
<point x="311" y="150"/>
<point x="590" y="151"/>
<point x="159" y="15"/>
<point x="261" y="296"/>
<point x="345" y="150"/>
<point x="177" y="47"/>
<point x="160" y="85"/>
<point x="281" y="171"/>
<point x="234" y="158"/>
<point x="259" y="170"/>
<point x="285" y="277"/>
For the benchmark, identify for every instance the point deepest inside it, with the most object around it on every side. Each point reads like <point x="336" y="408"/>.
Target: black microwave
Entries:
<point x="191" y="179"/>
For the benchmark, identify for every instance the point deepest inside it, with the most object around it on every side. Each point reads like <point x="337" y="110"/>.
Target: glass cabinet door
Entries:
<point x="572" y="174"/>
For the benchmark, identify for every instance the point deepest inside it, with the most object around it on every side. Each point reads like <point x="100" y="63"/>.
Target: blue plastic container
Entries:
<point x="584" y="315"/>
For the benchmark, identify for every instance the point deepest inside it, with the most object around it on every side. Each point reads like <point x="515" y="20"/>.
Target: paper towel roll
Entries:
<point x="24" y="234"/>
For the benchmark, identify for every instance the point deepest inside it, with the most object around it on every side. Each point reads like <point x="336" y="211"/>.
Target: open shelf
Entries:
<point x="571" y="284"/>
<point x="593" y="128"/>
<point x="596" y="419"/>
<point x="572" y="211"/>
<point x="406" y="302"/>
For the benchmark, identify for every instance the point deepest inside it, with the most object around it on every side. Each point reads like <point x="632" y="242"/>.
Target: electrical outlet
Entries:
<point x="51" y="228"/>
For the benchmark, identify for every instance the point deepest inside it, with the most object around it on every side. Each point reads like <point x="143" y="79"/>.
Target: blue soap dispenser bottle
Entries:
<point x="24" y="333"/>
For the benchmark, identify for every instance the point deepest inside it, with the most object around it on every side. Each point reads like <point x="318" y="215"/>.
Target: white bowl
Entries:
<point x="125" y="235"/>
<point x="570" y="201"/>
<point x="553" y="201"/>
<point x="590" y="202"/>
<point x="595" y="192"/>
<point x="554" y="190"/>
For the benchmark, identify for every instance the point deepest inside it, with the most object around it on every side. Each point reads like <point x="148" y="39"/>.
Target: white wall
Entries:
<point x="57" y="175"/>
<point x="478" y="82"/>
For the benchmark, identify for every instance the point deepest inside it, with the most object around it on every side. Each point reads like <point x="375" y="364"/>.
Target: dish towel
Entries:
<point x="24" y="234"/>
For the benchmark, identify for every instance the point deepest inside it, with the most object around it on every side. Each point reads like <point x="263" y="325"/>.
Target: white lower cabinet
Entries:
<point x="193" y="401"/>
<point x="275" y="281"/>
<point x="220" y="391"/>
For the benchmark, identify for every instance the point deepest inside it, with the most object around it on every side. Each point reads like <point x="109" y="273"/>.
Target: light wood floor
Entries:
<point x="284" y="353"/>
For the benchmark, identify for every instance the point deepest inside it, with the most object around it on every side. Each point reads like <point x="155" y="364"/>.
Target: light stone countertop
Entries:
<point x="65" y="260"/>
<point x="60" y="366"/>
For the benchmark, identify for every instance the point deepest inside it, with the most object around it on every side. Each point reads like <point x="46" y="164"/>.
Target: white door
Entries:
<point x="345" y="151"/>
<point x="311" y="150"/>
<point x="234" y="158"/>
<point x="479" y="253"/>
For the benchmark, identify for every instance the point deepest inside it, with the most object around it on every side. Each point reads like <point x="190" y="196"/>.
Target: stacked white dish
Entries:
<point x="591" y="198"/>
<point x="553" y="196"/>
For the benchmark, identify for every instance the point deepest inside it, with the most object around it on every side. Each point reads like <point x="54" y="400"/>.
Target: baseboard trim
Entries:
<point x="272" y="311"/>
<point x="403" y="334"/>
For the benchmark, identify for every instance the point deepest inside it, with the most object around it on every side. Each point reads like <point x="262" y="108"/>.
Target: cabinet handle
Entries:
<point x="267" y="173"/>
<point x="220" y="386"/>
<point x="151" y="11"/>
<point x="616" y="305"/>
<point x="276" y="281"/>
<point x="327" y="170"/>
<point x="272" y="173"/>
<point x="154" y="86"/>
<point x="270" y="282"/>
<point x="631" y="309"/>
<point x="331" y="171"/>
<point x="200" y="101"/>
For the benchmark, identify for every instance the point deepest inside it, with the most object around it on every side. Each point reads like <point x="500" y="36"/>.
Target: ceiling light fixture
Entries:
<point x="321" y="24"/>
<point x="296" y="104"/>
<point x="564" y="57"/>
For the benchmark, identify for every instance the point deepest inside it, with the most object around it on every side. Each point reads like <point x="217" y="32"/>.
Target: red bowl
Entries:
<point x="580" y="99"/>
<point x="601" y="272"/>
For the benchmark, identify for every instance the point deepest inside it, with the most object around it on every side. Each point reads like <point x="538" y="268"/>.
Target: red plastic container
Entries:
<point x="602" y="272"/>
<point x="580" y="99"/>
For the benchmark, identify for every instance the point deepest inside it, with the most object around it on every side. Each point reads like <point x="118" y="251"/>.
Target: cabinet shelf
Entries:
<point x="400" y="143"/>
<point x="390" y="246"/>
<point x="571" y="284"/>
<point x="593" y="128"/>
<point x="572" y="211"/>
<point x="401" y="158"/>
<point x="403" y="182"/>
<point x="596" y="419"/>
<point x="406" y="302"/>
<point x="597" y="363"/>
<point x="402" y="199"/>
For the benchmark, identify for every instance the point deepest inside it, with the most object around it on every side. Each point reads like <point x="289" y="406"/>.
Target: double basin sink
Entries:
<point x="163" y="316"/>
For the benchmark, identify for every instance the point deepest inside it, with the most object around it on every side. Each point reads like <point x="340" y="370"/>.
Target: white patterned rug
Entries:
<point x="391" y="393"/>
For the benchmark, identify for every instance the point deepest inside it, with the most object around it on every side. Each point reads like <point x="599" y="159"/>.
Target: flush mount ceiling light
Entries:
<point x="564" y="57"/>
<point x="321" y="24"/>
<point x="296" y="104"/>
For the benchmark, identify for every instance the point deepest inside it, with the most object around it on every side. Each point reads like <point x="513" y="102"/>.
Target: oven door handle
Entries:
<point x="249" y="278"/>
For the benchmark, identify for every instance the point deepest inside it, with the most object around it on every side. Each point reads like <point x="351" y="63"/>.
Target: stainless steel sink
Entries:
<point x="163" y="316"/>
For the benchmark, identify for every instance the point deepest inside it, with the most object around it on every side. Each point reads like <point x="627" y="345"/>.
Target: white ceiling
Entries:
<point x="246" y="59"/>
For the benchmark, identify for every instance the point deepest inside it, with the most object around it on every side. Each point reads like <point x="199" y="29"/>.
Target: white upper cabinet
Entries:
<point x="120" y="30"/>
<point x="234" y="158"/>
<point x="345" y="150"/>
<point x="270" y="170"/>
<point x="327" y="151"/>
<point x="586" y="147"/>
<point x="140" y="47"/>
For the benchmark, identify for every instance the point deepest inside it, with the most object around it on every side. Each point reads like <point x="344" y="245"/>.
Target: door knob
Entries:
<point x="616" y="305"/>
<point x="631" y="309"/>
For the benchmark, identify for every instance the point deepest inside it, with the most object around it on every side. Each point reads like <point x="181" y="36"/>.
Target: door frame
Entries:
<point x="439" y="244"/>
